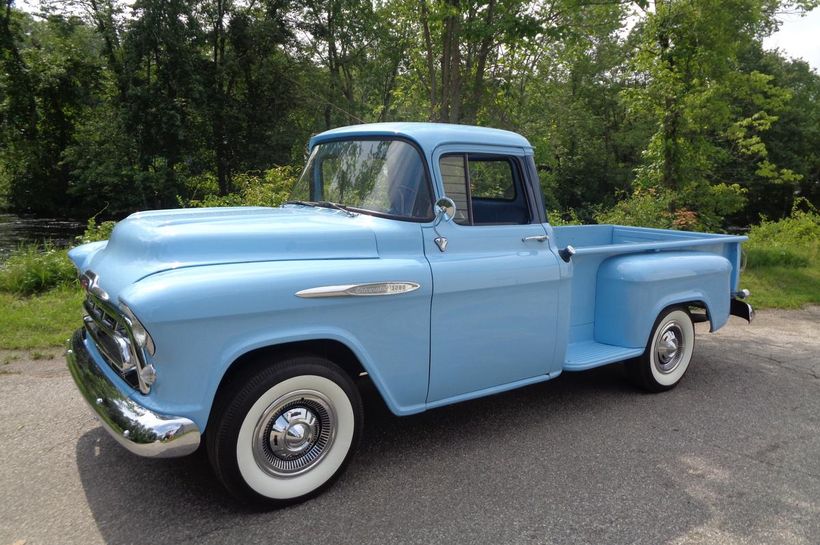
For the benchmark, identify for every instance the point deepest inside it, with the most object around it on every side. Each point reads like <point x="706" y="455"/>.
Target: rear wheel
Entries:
<point x="283" y="433"/>
<point x="668" y="352"/>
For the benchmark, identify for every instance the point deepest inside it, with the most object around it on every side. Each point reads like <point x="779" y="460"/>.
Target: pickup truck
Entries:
<point x="417" y="256"/>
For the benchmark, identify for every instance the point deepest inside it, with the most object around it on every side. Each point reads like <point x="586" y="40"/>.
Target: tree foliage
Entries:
<point x="670" y="109"/>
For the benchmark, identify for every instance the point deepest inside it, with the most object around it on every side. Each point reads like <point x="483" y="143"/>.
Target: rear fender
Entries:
<point x="632" y="290"/>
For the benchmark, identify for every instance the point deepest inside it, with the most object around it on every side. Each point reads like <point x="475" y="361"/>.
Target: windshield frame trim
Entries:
<point x="378" y="138"/>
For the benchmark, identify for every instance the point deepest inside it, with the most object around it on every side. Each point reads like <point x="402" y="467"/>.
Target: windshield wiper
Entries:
<point x="302" y="203"/>
<point x="325" y="204"/>
<point x="343" y="208"/>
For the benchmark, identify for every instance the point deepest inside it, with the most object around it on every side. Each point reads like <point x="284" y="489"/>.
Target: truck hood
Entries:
<point x="146" y="243"/>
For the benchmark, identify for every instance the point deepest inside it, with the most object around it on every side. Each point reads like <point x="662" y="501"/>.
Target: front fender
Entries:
<point x="83" y="254"/>
<point x="202" y="319"/>
<point x="317" y="333"/>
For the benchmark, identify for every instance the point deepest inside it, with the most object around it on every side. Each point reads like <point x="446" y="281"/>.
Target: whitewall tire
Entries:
<point x="668" y="352"/>
<point x="280" y="434"/>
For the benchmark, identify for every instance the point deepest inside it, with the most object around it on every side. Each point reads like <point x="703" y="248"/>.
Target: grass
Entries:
<point x="782" y="287"/>
<point x="783" y="267"/>
<point x="40" y="297"/>
<point x="39" y="321"/>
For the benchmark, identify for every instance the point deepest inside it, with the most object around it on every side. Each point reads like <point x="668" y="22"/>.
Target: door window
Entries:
<point x="487" y="189"/>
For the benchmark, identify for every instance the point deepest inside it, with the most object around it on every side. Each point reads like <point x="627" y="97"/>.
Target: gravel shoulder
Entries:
<point x="731" y="456"/>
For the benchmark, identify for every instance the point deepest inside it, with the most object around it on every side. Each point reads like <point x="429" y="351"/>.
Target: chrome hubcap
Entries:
<point x="294" y="433"/>
<point x="669" y="348"/>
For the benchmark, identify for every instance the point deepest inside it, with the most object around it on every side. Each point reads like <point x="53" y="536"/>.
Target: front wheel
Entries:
<point x="283" y="433"/>
<point x="667" y="354"/>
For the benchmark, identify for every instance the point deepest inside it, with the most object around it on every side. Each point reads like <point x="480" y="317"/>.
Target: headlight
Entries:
<point x="141" y="335"/>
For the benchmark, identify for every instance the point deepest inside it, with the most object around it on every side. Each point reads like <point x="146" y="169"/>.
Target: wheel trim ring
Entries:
<point x="273" y="463"/>
<point x="669" y="348"/>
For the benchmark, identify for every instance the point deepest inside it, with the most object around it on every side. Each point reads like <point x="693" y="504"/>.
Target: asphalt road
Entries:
<point x="730" y="456"/>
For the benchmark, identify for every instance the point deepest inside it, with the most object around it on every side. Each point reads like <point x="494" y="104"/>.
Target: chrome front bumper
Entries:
<point x="138" y="429"/>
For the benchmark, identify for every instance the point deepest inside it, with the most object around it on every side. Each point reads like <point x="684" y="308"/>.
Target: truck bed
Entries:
<point x="594" y="244"/>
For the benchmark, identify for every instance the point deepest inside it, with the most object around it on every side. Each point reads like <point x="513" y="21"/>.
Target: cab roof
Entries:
<point x="428" y="135"/>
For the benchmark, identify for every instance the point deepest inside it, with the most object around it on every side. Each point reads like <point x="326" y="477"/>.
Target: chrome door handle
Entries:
<point x="537" y="238"/>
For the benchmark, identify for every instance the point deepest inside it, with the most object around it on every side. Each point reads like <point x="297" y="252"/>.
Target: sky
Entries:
<point x="798" y="37"/>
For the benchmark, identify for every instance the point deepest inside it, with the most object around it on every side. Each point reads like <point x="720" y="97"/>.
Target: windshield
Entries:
<point x="381" y="176"/>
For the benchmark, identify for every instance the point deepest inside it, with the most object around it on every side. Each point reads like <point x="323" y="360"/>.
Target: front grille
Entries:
<point x="109" y="330"/>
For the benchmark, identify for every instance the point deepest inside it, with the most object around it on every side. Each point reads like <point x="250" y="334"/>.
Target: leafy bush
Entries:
<point x="33" y="269"/>
<point x="790" y="242"/>
<point x="231" y="199"/>
<point x="644" y="208"/>
<point x="711" y="203"/>
<point x="94" y="232"/>
<point x="769" y="257"/>
<point x="567" y="217"/>
<point x="272" y="188"/>
<point x="697" y="209"/>
<point x="801" y="228"/>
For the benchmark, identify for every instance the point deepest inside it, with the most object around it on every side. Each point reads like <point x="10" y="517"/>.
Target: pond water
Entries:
<point x="18" y="230"/>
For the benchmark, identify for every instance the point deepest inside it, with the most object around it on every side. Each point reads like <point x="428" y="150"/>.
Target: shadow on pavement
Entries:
<point x="138" y="500"/>
<point x="583" y="458"/>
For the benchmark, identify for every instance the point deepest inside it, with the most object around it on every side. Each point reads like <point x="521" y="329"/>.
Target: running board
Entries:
<point x="588" y="354"/>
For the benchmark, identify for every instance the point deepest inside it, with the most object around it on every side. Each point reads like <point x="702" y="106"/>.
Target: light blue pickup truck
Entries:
<point x="417" y="255"/>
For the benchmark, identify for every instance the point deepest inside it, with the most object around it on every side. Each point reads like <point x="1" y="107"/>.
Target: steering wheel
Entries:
<point x="403" y="191"/>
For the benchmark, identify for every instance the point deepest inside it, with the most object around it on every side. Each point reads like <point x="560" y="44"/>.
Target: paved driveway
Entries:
<point x="730" y="456"/>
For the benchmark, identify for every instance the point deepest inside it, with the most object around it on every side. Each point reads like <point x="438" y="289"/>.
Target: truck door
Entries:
<point x="495" y="278"/>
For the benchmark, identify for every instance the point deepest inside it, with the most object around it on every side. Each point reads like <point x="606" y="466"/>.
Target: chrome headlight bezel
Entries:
<point x="139" y="333"/>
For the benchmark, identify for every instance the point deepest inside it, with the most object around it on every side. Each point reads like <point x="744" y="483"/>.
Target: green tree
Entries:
<point x="570" y="107"/>
<point x="50" y="74"/>
<point x="248" y="94"/>
<point x="461" y="45"/>
<point x="706" y="109"/>
<point x="791" y="140"/>
<point x="118" y="105"/>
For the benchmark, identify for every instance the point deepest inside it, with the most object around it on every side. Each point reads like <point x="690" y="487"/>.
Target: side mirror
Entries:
<point x="445" y="208"/>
